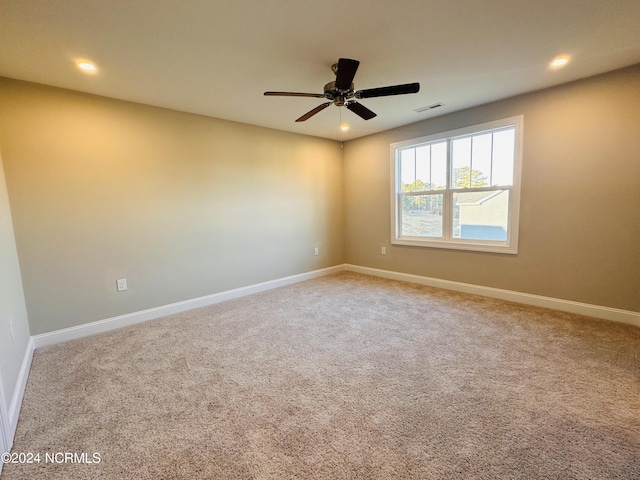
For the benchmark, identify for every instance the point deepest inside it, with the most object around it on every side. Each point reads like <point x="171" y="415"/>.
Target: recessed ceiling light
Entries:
<point x="344" y="127"/>
<point x="559" y="62"/>
<point x="87" y="67"/>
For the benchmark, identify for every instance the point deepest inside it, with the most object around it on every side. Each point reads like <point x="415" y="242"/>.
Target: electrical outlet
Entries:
<point x="316" y="251"/>
<point x="121" y="284"/>
<point x="383" y="250"/>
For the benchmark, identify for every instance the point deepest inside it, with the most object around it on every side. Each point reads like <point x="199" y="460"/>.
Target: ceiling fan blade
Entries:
<point x="360" y="110"/>
<point x="311" y="113"/>
<point x="346" y="71"/>
<point x="293" y="94"/>
<point x="386" y="91"/>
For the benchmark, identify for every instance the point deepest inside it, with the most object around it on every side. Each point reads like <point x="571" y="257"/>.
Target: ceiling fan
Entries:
<point x="341" y="92"/>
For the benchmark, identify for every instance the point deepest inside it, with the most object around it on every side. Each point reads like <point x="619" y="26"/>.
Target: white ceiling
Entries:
<point x="216" y="57"/>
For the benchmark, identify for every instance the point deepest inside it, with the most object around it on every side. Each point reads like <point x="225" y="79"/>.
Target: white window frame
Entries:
<point x="510" y="245"/>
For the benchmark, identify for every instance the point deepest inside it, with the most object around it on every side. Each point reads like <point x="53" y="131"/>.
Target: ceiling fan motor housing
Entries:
<point x="339" y="97"/>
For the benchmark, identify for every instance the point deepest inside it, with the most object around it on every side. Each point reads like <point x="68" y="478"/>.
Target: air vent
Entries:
<point x="428" y="107"/>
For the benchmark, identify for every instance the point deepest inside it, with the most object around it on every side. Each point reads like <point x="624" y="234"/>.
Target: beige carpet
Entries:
<point x="343" y="377"/>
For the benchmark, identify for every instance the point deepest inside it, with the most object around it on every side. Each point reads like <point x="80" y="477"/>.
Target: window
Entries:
<point x="459" y="189"/>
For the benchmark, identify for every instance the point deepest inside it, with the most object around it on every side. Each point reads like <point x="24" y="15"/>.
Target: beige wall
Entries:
<point x="179" y="204"/>
<point x="580" y="203"/>
<point x="184" y="206"/>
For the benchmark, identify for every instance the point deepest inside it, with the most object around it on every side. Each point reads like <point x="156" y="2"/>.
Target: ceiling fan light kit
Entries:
<point x="341" y="92"/>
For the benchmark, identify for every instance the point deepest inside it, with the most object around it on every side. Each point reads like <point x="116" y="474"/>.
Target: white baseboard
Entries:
<point x="125" y="320"/>
<point x="18" y="391"/>
<point x="606" y="313"/>
<point x="11" y="412"/>
<point x="5" y="443"/>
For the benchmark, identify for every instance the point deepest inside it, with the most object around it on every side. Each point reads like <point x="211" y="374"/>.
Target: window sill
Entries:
<point x="475" y="246"/>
